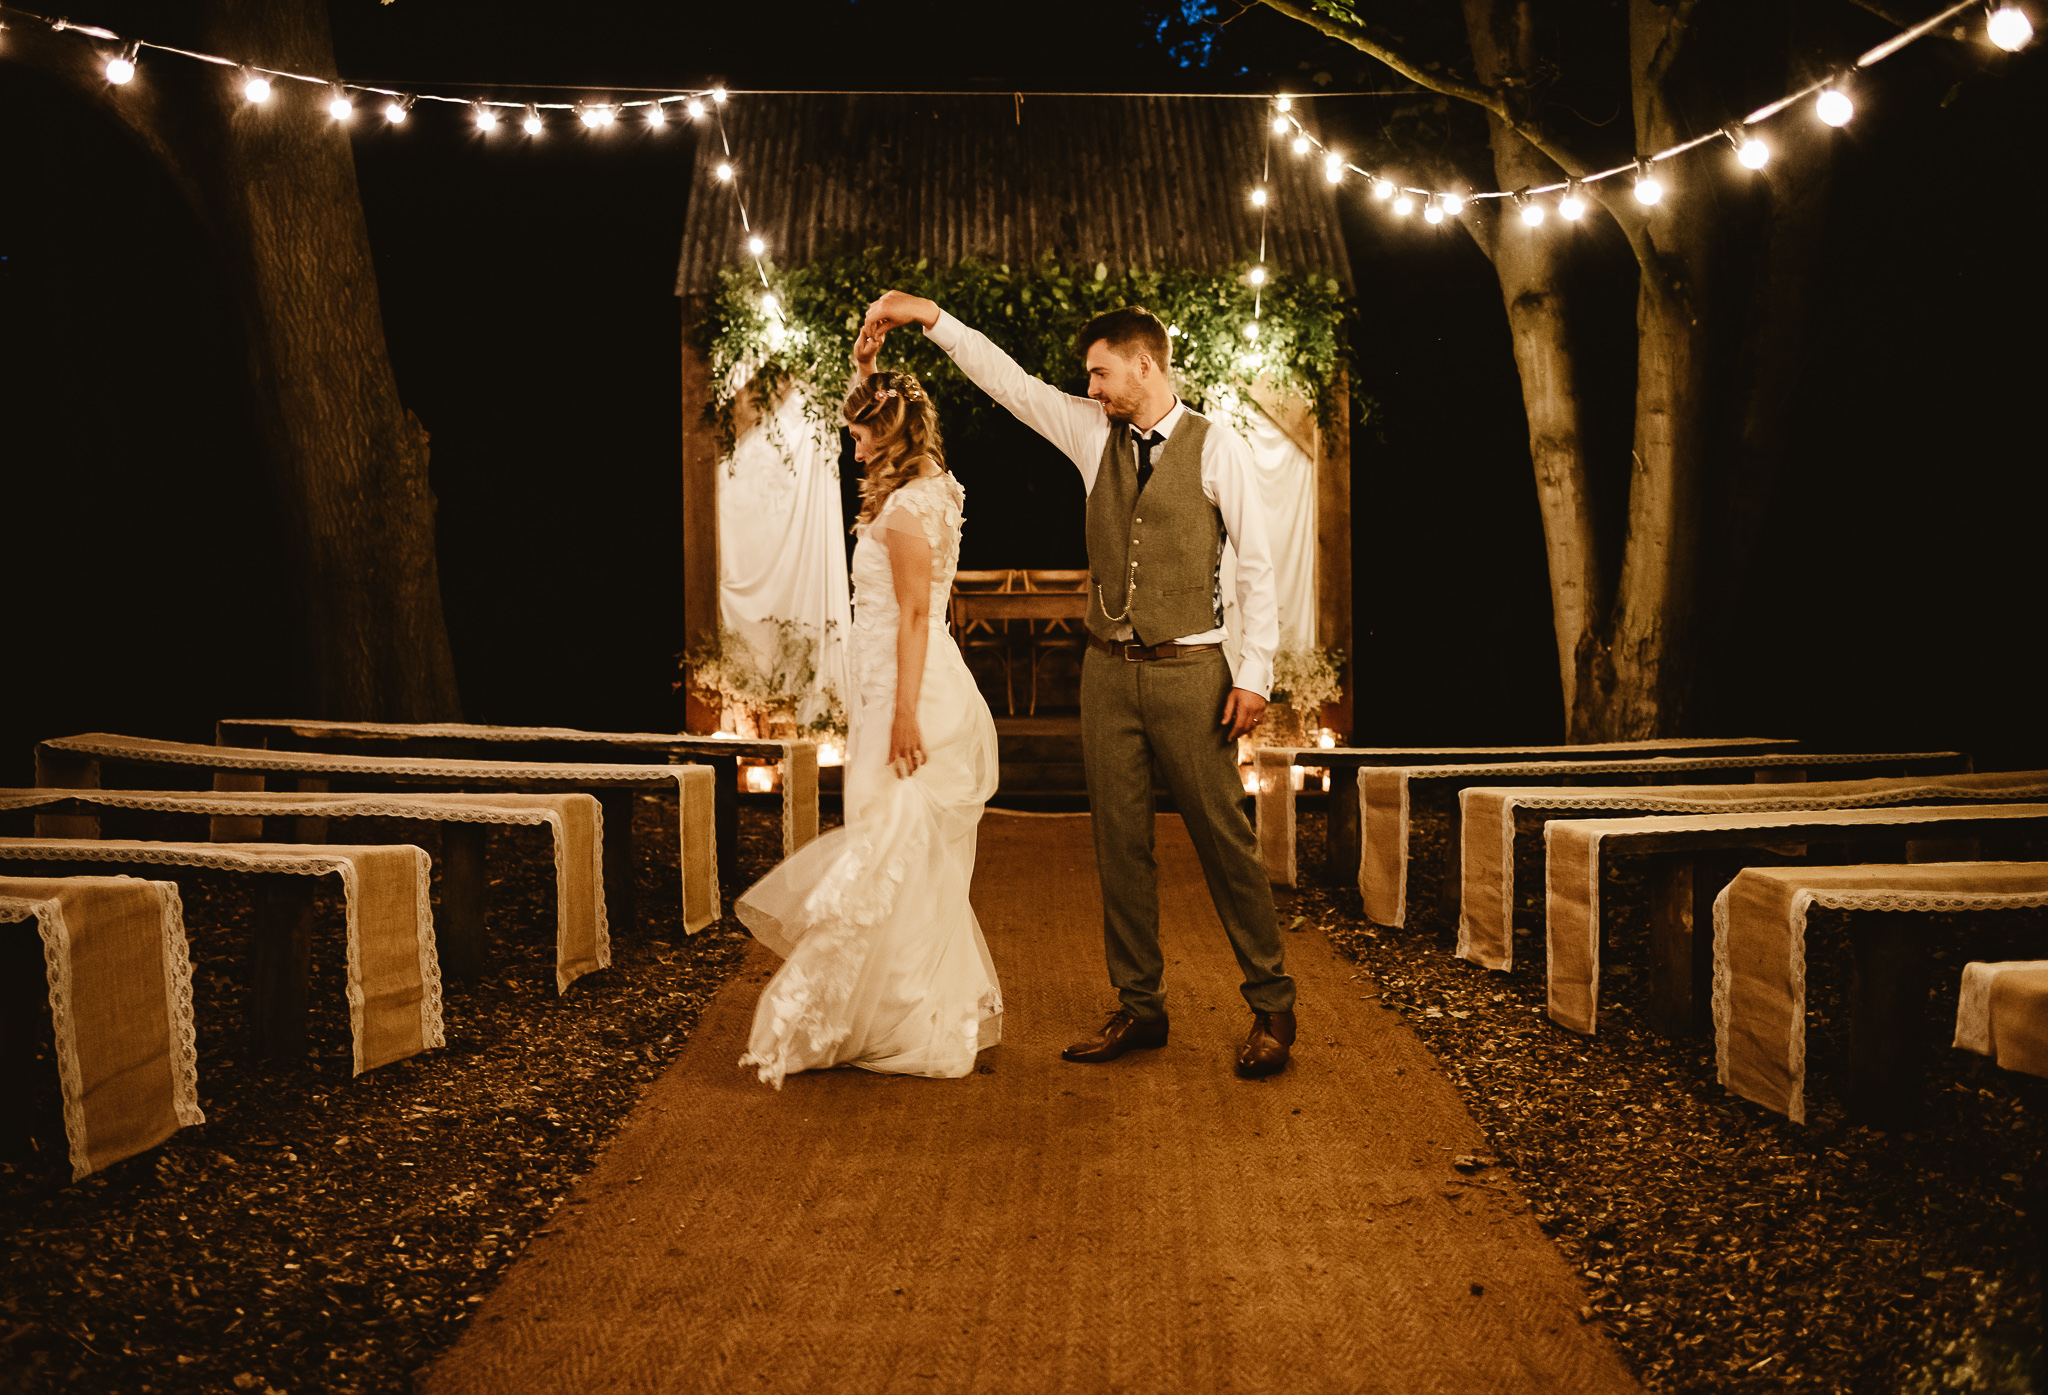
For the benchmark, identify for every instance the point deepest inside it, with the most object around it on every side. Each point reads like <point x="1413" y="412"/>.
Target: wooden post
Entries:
<point x="1887" y="1017"/>
<point x="725" y="808"/>
<point x="1342" y="843"/>
<point x="281" y="962"/>
<point x="460" y="933"/>
<point x="238" y="828"/>
<point x="1683" y="886"/>
<point x="66" y="770"/>
<point x="620" y="900"/>
<point x="1333" y="565"/>
<point x="1451" y="890"/>
<point x="700" y="510"/>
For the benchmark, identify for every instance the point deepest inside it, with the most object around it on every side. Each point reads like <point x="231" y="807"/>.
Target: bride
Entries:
<point x="885" y="965"/>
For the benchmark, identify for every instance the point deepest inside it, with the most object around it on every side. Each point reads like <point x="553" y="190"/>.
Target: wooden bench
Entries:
<point x="74" y="762"/>
<point x="1693" y="856"/>
<point x="797" y="761"/>
<point x="394" y="974"/>
<point x="1385" y="797"/>
<point x="1491" y="818"/>
<point x="1759" y="965"/>
<point x="574" y="823"/>
<point x="115" y="982"/>
<point x="1275" y="802"/>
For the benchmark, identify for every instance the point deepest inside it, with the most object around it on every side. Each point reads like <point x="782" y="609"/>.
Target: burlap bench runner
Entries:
<point x="1274" y="807"/>
<point x="796" y="761"/>
<point x="394" y="977"/>
<point x="575" y="821"/>
<point x="2002" y="1011"/>
<point x="120" y="994"/>
<point x="1487" y="815"/>
<point x="1574" y="849"/>
<point x="1760" y="953"/>
<point x="1384" y="797"/>
<point x="72" y="762"/>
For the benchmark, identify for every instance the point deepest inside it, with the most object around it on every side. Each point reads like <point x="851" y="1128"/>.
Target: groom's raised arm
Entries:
<point x="1075" y="425"/>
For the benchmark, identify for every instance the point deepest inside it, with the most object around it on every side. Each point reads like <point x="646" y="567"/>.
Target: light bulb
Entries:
<point x="394" y="112"/>
<point x="593" y="117"/>
<point x="1383" y="188"/>
<point x="718" y="95"/>
<point x="694" y="107"/>
<point x="756" y="246"/>
<point x="768" y="302"/>
<point x="655" y="115"/>
<point x="1257" y="276"/>
<point x="1431" y="213"/>
<point x="1301" y="145"/>
<point x="724" y="171"/>
<point x="1279" y="125"/>
<point x="1532" y="213"/>
<point x="340" y="108"/>
<point x="1648" y="190"/>
<point x="1251" y="331"/>
<point x="2009" y="28"/>
<point x="1404" y="206"/>
<point x="120" y="70"/>
<point x="1285" y="104"/>
<point x="1753" y="154"/>
<point x="532" y="123"/>
<point x="1453" y="205"/>
<point x="1258" y="198"/>
<point x="1571" y="207"/>
<point x="486" y="119"/>
<point x="1834" y="107"/>
<point x="1333" y="172"/>
<point x="257" y="88"/>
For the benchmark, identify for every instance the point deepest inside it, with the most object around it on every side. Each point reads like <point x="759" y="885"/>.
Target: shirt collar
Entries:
<point x="1164" y="426"/>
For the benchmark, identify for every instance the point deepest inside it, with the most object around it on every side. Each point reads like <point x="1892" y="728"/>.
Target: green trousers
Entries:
<point x="1169" y="711"/>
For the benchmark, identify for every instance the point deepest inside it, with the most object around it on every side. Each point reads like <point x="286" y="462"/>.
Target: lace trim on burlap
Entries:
<point x="56" y="939"/>
<point x="178" y="1002"/>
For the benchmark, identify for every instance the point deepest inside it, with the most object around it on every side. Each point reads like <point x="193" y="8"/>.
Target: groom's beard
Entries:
<point x="1123" y="410"/>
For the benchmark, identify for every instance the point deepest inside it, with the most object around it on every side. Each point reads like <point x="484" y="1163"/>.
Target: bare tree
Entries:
<point x="275" y="187"/>
<point x="1722" y="271"/>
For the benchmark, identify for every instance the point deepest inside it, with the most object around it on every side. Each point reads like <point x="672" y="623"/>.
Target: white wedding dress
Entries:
<point x="886" y="967"/>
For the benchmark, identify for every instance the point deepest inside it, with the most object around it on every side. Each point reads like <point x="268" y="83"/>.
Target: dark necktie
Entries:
<point x="1145" y="445"/>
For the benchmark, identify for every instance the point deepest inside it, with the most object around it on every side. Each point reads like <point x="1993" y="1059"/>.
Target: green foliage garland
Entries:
<point x="1032" y="312"/>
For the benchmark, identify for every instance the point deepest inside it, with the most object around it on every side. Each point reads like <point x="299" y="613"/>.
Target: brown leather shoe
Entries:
<point x="1265" y="1051"/>
<point x="1121" y="1033"/>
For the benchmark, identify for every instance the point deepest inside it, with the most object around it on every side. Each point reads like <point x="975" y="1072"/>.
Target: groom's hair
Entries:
<point x="1129" y="332"/>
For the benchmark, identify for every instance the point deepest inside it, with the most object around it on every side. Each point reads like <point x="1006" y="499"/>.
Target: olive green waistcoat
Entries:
<point x="1153" y="557"/>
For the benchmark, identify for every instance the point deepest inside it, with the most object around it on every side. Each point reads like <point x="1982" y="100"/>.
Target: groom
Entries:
<point x="1165" y="488"/>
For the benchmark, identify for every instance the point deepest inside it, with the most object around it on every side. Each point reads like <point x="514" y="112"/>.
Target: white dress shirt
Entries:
<point x="1080" y="428"/>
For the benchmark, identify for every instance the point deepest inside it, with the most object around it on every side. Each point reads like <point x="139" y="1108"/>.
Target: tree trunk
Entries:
<point x="275" y="185"/>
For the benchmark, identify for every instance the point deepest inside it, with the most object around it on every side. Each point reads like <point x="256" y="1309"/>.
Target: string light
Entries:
<point x="1648" y="190"/>
<point x="768" y="303"/>
<point x="1432" y="211"/>
<point x="694" y="107"/>
<point x="1532" y="212"/>
<point x="1280" y="125"/>
<point x="533" y="124"/>
<point x="1404" y="206"/>
<point x="1301" y="145"/>
<point x="255" y="86"/>
<point x="1333" y="169"/>
<point x="486" y="119"/>
<point x="724" y="172"/>
<point x="1453" y="205"/>
<point x="1752" y="152"/>
<point x="395" y="110"/>
<point x="1285" y="102"/>
<point x="1251" y="330"/>
<point x="756" y="246"/>
<point x="339" y="106"/>
<point x="1257" y="276"/>
<point x="1383" y="188"/>
<point x="121" y="67"/>
<point x="1834" y="107"/>
<point x="2008" y="27"/>
<point x="1572" y="206"/>
<point x="655" y="115"/>
<point x="599" y="115"/>
<point x="718" y="95"/>
<point x="1258" y="198"/>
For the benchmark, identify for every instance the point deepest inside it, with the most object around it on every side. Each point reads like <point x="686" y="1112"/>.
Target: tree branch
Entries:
<point x="1491" y="99"/>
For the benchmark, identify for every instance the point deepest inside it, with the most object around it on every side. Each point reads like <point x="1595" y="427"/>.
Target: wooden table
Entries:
<point x="970" y="606"/>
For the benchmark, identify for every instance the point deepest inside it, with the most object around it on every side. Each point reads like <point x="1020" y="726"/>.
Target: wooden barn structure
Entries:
<point x="1134" y="182"/>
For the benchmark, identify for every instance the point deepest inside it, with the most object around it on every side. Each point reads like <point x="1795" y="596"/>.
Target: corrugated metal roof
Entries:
<point x="1131" y="181"/>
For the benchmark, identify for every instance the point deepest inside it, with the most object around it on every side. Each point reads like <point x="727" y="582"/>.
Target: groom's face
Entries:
<point x="1122" y="385"/>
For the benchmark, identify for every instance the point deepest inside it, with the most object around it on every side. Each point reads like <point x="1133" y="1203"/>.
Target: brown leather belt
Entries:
<point x="1137" y="653"/>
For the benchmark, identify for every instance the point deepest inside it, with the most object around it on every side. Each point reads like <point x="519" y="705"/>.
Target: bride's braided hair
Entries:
<point x="895" y="408"/>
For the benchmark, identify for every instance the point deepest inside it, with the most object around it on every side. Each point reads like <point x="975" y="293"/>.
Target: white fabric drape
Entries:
<point x="782" y="541"/>
<point x="1287" y="488"/>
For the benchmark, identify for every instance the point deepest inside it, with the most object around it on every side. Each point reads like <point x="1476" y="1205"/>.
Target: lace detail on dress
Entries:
<point x="937" y="504"/>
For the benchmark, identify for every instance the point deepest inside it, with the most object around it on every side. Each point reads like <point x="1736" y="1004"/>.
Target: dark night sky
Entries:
<point x="527" y="302"/>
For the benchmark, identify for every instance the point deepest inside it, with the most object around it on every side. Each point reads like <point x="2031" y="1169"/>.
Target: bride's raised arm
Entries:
<point x="867" y="347"/>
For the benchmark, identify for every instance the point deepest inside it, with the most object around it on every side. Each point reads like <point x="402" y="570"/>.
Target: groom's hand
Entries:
<point x="896" y="309"/>
<point x="1242" y="711"/>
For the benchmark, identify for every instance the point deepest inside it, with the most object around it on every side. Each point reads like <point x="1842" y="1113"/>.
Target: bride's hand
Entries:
<point x="866" y="349"/>
<point x="906" y="745"/>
